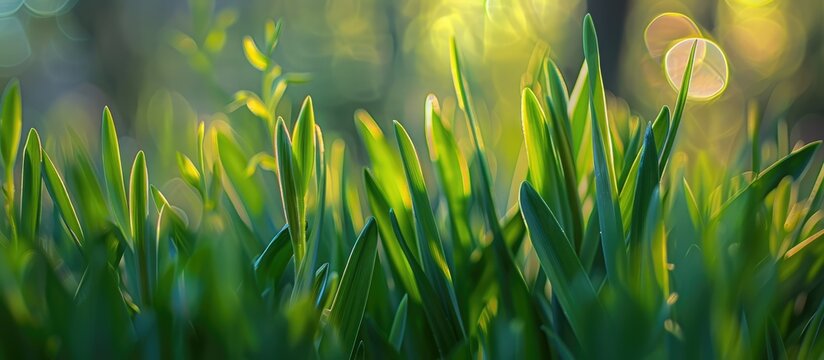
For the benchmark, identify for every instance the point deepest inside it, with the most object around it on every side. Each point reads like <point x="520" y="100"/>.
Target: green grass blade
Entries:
<point x="791" y="165"/>
<point x="189" y="172"/>
<point x="661" y="125"/>
<point x="303" y="146"/>
<point x="31" y="187"/>
<point x="561" y="131"/>
<point x="270" y="264"/>
<point x="385" y="160"/>
<point x="182" y="240"/>
<point x="541" y="153"/>
<point x="453" y="171"/>
<point x="380" y="210"/>
<point x="578" y="110"/>
<point x="233" y="160"/>
<point x="444" y="322"/>
<point x="645" y="188"/>
<point x="678" y="113"/>
<point x="465" y="103"/>
<point x="430" y="247"/>
<point x="399" y="325"/>
<point x="138" y="209"/>
<point x="609" y="215"/>
<point x="350" y="300"/>
<point x="57" y="190"/>
<point x="292" y="201"/>
<point x="645" y="184"/>
<point x="319" y="284"/>
<point x="567" y="276"/>
<point x="113" y="172"/>
<point x="753" y="132"/>
<point x="11" y="125"/>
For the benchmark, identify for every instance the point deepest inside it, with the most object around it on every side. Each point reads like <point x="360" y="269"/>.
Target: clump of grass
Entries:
<point x="661" y="265"/>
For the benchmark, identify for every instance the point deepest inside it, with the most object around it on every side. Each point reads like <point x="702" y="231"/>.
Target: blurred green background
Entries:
<point x="144" y="57"/>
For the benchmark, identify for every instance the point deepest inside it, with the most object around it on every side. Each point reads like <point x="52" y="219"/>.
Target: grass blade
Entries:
<point x="609" y="214"/>
<point x="292" y="201"/>
<point x="303" y="146"/>
<point x="444" y="322"/>
<point x="380" y="210"/>
<point x="430" y="248"/>
<point x="567" y="276"/>
<point x="11" y="125"/>
<point x="791" y="165"/>
<point x="350" y="300"/>
<point x="399" y="325"/>
<point x="138" y="209"/>
<point x="31" y="187"/>
<point x="57" y="190"/>
<point x="453" y="171"/>
<point x="113" y="172"/>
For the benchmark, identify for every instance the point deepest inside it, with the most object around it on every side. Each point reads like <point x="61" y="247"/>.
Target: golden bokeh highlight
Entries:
<point x="666" y="30"/>
<point x="710" y="72"/>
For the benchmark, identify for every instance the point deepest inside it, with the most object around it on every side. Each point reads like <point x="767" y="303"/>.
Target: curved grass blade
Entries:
<point x="645" y="188"/>
<point x="31" y="187"/>
<point x="113" y="172"/>
<point x="138" y="209"/>
<point x="57" y="190"/>
<point x="430" y="247"/>
<point x="303" y="146"/>
<point x="182" y="240"/>
<point x="11" y="125"/>
<point x="348" y="307"/>
<point x="292" y="201"/>
<point x="453" y="172"/>
<point x="442" y="316"/>
<point x="270" y="264"/>
<point x="645" y="185"/>
<point x="678" y="113"/>
<point x="385" y="160"/>
<point x="561" y="131"/>
<point x="233" y="161"/>
<point x="543" y="157"/>
<point x="791" y="165"/>
<point x="609" y="214"/>
<point x="569" y="280"/>
<point x="399" y="325"/>
<point x="380" y="210"/>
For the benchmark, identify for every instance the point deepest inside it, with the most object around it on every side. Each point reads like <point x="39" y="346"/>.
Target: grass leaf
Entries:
<point x="303" y="146"/>
<point x="138" y="209"/>
<point x="113" y="172"/>
<point x="399" y="325"/>
<point x="57" y="190"/>
<point x="569" y="281"/>
<point x="292" y="200"/>
<point x="350" y="300"/>
<point x="11" y="124"/>
<point x="609" y="215"/>
<point x="31" y="187"/>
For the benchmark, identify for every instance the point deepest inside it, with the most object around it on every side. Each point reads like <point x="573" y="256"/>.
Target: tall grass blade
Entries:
<point x="350" y="300"/>
<point x="31" y="187"/>
<point x="113" y="172"/>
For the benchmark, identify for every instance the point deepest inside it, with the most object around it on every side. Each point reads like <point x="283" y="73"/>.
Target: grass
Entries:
<point x="613" y="248"/>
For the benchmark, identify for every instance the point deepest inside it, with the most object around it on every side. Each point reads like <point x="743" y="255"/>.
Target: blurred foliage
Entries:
<point x="218" y="211"/>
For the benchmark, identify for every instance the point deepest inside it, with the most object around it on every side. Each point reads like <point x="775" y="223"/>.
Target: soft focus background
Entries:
<point x="162" y="65"/>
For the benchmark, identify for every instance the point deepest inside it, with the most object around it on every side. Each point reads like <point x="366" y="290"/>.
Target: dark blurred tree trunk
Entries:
<point x="610" y="17"/>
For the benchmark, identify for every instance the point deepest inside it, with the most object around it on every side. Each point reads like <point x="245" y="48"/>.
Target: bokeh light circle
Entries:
<point x="9" y="7"/>
<point x="16" y="48"/>
<point x="667" y="29"/>
<point x="47" y="7"/>
<point x="710" y="72"/>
